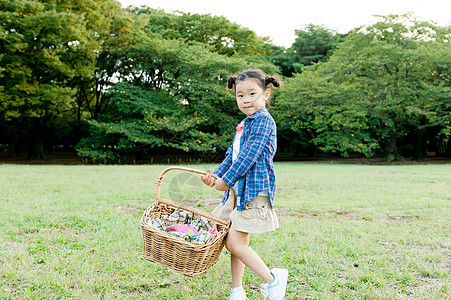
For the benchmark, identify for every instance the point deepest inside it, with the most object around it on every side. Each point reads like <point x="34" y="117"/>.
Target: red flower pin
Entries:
<point x="239" y="127"/>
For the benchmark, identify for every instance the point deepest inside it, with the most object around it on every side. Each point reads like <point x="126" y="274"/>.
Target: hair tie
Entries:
<point x="271" y="80"/>
<point x="231" y="81"/>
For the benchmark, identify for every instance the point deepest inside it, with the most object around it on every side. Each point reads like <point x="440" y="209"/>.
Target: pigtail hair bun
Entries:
<point x="271" y="80"/>
<point x="231" y="81"/>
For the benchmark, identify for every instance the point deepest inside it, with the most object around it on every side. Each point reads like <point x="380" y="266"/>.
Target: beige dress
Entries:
<point x="259" y="216"/>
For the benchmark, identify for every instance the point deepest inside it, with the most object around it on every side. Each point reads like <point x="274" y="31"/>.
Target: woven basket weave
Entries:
<point x="174" y="253"/>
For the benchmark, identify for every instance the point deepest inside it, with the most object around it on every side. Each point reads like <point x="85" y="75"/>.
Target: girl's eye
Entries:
<point x="240" y="96"/>
<point x="252" y="94"/>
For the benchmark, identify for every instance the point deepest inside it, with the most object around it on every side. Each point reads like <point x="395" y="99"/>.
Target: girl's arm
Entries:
<point x="261" y="130"/>
<point x="226" y="163"/>
<point x="221" y="185"/>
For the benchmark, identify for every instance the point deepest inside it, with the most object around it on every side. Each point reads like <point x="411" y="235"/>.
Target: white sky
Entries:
<point x="278" y="19"/>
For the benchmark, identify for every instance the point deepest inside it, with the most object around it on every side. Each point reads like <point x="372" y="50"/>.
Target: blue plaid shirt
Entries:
<point x="253" y="168"/>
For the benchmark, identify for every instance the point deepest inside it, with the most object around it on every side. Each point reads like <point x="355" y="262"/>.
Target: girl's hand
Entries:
<point x="208" y="179"/>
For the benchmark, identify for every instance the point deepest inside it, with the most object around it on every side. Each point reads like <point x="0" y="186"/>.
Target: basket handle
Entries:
<point x="159" y="181"/>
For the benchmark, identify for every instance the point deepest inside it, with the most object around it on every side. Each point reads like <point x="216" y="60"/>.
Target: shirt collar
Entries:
<point x="256" y="114"/>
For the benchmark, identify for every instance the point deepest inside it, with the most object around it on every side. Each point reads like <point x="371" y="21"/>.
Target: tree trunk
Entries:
<point x="36" y="149"/>
<point x="419" y="147"/>
<point x="36" y="142"/>
<point x="11" y="152"/>
<point x="139" y="155"/>
<point x="390" y="148"/>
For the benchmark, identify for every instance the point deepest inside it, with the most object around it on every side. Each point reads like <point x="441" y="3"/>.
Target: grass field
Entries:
<point x="347" y="232"/>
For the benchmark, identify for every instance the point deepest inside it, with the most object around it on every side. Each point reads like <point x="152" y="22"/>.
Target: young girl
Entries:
<point x="248" y="169"/>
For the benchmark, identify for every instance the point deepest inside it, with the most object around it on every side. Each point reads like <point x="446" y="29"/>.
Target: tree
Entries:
<point x="44" y="45"/>
<point x="121" y="29"/>
<point x="401" y="66"/>
<point x="284" y="58"/>
<point x="383" y="83"/>
<point x="320" y="107"/>
<point x="225" y="37"/>
<point x="141" y="120"/>
<point x="313" y="44"/>
<point x="170" y="95"/>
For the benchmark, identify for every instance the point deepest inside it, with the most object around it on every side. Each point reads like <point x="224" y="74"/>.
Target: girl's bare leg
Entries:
<point x="237" y="243"/>
<point x="237" y="271"/>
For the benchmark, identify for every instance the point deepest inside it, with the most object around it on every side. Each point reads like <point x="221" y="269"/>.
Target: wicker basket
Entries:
<point x="174" y="253"/>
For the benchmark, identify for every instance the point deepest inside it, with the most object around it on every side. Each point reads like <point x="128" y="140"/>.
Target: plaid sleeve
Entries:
<point x="260" y="132"/>
<point x="225" y="164"/>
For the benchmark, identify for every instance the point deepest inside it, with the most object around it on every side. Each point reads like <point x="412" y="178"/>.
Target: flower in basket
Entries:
<point x="183" y="229"/>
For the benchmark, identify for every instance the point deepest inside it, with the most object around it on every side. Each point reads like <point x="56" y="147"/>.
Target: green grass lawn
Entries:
<point x="347" y="232"/>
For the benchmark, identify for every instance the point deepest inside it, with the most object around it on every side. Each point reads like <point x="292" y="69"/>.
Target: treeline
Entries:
<point x="112" y="82"/>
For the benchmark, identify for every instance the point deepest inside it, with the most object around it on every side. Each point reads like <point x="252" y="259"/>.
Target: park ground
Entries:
<point x="348" y="231"/>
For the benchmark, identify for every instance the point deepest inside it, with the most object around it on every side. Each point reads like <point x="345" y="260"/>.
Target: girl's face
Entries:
<point x="250" y="96"/>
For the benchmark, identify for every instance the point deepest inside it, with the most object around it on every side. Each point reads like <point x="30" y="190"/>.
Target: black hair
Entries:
<point x="263" y="80"/>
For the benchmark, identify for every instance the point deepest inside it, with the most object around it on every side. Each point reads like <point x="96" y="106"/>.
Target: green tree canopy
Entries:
<point x="385" y="83"/>
<point x="44" y="45"/>
<point x="171" y="94"/>
<point x="225" y="37"/>
<point x="313" y="43"/>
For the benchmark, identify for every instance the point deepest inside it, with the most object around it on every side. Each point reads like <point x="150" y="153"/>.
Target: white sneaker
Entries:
<point x="238" y="293"/>
<point x="276" y="290"/>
